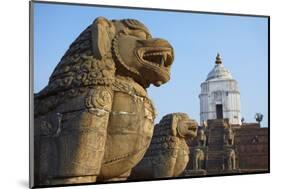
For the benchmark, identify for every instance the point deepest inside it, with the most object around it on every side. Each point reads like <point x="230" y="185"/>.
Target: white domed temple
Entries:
<point x="223" y="144"/>
<point x="220" y="96"/>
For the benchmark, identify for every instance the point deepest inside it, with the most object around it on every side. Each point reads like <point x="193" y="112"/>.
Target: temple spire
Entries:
<point x="218" y="59"/>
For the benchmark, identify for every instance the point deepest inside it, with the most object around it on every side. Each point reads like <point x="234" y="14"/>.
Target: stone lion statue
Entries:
<point x="198" y="159"/>
<point x="94" y="121"/>
<point x="229" y="137"/>
<point x="230" y="159"/>
<point x="201" y="137"/>
<point x="168" y="153"/>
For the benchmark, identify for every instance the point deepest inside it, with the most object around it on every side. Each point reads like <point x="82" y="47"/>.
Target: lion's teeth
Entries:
<point x="157" y="58"/>
<point x="162" y="61"/>
<point x="165" y="56"/>
<point x="153" y="54"/>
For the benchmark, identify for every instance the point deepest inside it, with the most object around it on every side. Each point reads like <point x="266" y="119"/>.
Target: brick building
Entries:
<point x="222" y="148"/>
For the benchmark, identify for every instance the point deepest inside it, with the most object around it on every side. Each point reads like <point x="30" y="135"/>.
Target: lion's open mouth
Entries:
<point x="192" y="128"/>
<point x="158" y="59"/>
<point x="162" y="57"/>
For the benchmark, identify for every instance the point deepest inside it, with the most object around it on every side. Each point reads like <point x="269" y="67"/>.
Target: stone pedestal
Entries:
<point x="199" y="172"/>
<point x="234" y="171"/>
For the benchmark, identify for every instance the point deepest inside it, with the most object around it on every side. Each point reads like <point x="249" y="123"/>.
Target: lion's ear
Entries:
<point x="102" y="30"/>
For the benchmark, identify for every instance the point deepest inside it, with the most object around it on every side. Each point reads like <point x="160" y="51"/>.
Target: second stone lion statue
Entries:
<point x="168" y="153"/>
<point x="94" y="120"/>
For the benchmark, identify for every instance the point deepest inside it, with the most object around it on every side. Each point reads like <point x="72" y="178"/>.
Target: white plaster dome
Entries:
<point x="219" y="71"/>
<point x="220" y="96"/>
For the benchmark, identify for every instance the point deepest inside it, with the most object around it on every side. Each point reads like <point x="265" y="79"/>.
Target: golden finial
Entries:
<point x="218" y="59"/>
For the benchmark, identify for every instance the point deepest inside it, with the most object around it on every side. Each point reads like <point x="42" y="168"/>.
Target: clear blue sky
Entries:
<point x="196" y="38"/>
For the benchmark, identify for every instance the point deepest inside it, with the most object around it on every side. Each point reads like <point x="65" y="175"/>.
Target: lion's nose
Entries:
<point x="156" y="42"/>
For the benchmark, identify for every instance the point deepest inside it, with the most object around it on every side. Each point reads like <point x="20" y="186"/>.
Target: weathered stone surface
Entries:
<point x="94" y="120"/>
<point x="229" y="159"/>
<point x="198" y="159"/>
<point x="228" y="137"/>
<point x="168" y="153"/>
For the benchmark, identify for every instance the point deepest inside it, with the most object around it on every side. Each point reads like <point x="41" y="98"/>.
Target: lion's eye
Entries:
<point x="140" y="34"/>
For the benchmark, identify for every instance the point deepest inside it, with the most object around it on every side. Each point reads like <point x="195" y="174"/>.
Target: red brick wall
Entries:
<point x="251" y="144"/>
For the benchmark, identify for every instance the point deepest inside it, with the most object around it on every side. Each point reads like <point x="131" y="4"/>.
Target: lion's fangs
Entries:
<point x="158" y="58"/>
